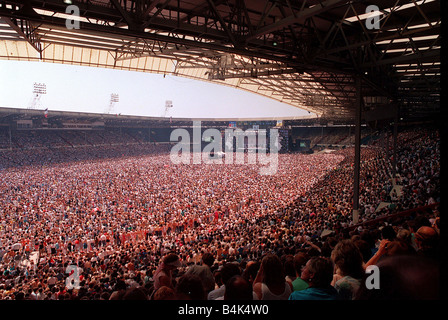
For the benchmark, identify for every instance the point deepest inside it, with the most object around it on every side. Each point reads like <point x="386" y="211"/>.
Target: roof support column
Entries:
<point x="357" y="163"/>
<point x="394" y="158"/>
<point x="387" y="143"/>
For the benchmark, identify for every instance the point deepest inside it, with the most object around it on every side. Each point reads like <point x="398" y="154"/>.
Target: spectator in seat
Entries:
<point x="427" y="242"/>
<point x="189" y="287"/>
<point x="390" y="248"/>
<point x="349" y="270"/>
<point x="300" y="260"/>
<point x="318" y="272"/>
<point x="251" y="270"/>
<point x="228" y="271"/>
<point x="135" y="293"/>
<point x="288" y="266"/>
<point x="204" y="271"/>
<point x="164" y="293"/>
<point x="270" y="283"/>
<point x="238" y="288"/>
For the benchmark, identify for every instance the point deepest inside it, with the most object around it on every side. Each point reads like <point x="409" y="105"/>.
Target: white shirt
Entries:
<point x="217" y="293"/>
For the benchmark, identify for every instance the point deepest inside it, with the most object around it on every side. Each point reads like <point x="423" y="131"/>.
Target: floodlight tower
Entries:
<point x="39" y="89"/>
<point x="114" y="98"/>
<point x="168" y="105"/>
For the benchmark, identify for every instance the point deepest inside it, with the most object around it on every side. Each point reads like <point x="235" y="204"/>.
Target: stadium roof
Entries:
<point x="306" y="53"/>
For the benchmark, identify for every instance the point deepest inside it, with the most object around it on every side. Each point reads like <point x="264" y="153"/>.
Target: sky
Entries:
<point x="89" y="89"/>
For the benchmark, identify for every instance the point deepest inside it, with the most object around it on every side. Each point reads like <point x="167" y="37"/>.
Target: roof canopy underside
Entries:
<point x="303" y="53"/>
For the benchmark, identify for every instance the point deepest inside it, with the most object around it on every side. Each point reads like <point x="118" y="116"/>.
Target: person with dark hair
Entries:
<point x="238" y="288"/>
<point x="251" y="270"/>
<point x="421" y="221"/>
<point x="288" y="266"/>
<point x="388" y="233"/>
<point x="105" y="296"/>
<point x="164" y="293"/>
<point x="189" y="287"/>
<point x="318" y="272"/>
<point x="300" y="260"/>
<point x="19" y="295"/>
<point x="348" y="268"/>
<point x="119" y="290"/>
<point x="270" y="283"/>
<point x="163" y="275"/>
<point x="204" y="271"/>
<point x="228" y="271"/>
<point x="364" y="249"/>
<point x="135" y="293"/>
<point x="218" y="278"/>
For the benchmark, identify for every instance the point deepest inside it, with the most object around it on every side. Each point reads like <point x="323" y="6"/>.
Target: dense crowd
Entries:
<point x="139" y="227"/>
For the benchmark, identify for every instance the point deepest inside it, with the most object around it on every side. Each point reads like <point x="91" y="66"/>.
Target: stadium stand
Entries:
<point x="110" y="203"/>
<point x="92" y="208"/>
